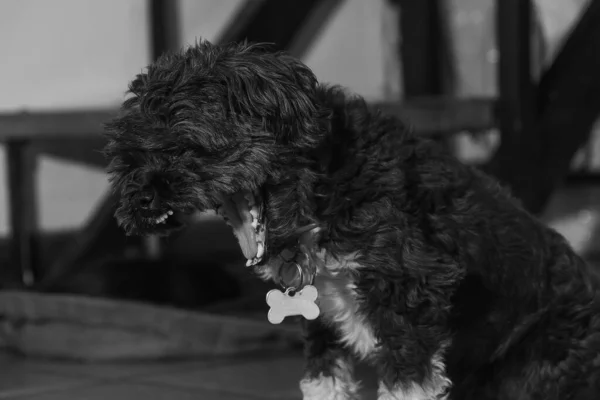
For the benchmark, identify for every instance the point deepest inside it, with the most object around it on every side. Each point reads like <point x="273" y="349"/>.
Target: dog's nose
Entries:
<point x="146" y="198"/>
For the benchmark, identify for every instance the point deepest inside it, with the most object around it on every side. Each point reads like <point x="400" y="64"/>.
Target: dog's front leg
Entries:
<point x="398" y="381"/>
<point x="329" y="367"/>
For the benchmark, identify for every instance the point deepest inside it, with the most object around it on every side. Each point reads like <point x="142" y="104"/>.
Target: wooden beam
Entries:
<point x="516" y="109"/>
<point x="521" y="145"/>
<point x="236" y="28"/>
<point x="54" y="125"/>
<point x="164" y="26"/>
<point x="21" y="165"/>
<point x="429" y="114"/>
<point x="422" y="48"/>
<point x="269" y="21"/>
<point x="85" y="150"/>
<point x="438" y="115"/>
<point x="313" y="26"/>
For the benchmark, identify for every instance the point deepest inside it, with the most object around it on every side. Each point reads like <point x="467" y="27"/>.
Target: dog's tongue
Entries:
<point x="240" y="220"/>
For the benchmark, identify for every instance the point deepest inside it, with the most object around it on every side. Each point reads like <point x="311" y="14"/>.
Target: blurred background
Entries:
<point x="509" y="85"/>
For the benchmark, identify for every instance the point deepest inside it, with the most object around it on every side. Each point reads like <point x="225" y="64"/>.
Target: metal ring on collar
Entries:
<point x="300" y="273"/>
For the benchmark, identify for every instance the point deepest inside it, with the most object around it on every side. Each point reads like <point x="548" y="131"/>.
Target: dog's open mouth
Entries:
<point x="243" y="212"/>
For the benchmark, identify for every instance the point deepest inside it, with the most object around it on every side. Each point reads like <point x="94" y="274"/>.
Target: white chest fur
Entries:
<point x="339" y="306"/>
<point x="337" y="301"/>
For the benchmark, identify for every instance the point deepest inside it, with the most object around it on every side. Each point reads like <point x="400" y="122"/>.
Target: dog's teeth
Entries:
<point x="261" y="250"/>
<point x="161" y="219"/>
<point x="170" y="212"/>
<point x="252" y="262"/>
<point x="254" y="213"/>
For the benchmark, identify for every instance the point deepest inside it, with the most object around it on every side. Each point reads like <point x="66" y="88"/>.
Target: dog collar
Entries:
<point x="300" y="260"/>
<point x="297" y="298"/>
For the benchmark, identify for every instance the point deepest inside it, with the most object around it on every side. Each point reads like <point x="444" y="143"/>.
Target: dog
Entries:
<point x="425" y="267"/>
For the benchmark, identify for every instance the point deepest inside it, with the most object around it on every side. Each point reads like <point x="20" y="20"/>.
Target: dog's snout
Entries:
<point x="153" y="188"/>
<point x="146" y="198"/>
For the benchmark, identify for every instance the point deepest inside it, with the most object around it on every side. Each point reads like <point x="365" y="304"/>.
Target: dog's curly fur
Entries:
<point x="433" y="272"/>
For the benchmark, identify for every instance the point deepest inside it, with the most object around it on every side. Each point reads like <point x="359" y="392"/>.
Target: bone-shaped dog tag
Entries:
<point x="288" y="304"/>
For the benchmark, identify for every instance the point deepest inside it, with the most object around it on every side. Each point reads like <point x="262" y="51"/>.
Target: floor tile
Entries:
<point x="271" y="378"/>
<point x="133" y="391"/>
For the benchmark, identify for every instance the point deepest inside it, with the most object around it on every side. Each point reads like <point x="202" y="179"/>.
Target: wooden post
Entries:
<point x="424" y="61"/>
<point x="518" y="156"/>
<point x="24" y="267"/>
<point x="164" y="27"/>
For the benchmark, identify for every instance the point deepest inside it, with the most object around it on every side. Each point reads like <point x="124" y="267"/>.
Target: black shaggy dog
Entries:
<point x="425" y="267"/>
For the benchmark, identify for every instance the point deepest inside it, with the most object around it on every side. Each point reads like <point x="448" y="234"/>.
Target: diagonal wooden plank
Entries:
<point x="314" y="25"/>
<point x="238" y="24"/>
<point x="269" y="21"/>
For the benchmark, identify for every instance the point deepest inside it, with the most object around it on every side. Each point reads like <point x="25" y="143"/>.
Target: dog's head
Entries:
<point x="216" y="127"/>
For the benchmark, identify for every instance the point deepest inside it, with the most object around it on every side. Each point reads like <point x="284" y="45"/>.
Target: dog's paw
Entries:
<point x="328" y="388"/>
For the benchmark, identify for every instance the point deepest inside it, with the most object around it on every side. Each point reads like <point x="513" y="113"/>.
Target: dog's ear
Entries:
<point x="276" y="88"/>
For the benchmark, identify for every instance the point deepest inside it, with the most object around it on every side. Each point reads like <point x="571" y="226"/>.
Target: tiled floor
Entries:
<point x="242" y="378"/>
